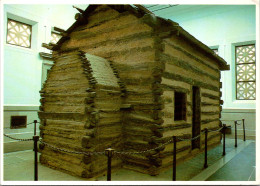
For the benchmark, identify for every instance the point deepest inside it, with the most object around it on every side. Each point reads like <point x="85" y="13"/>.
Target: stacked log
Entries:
<point x="124" y="98"/>
<point x="185" y="67"/>
<point x="130" y="44"/>
<point x="74" y="117"/>
<point x="62" y="113"/>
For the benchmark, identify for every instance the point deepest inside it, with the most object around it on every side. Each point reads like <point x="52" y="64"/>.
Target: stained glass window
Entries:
<point x="55" y="37"/>
<point x="245" y="72"/>
<point x="18" y="33"/>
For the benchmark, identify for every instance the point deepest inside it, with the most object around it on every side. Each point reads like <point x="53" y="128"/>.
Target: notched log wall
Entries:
<point x="186" y="67"/>
<point x="130" y="45"/>
<point x="124" y="98"/>
<point x="73" y="115"/>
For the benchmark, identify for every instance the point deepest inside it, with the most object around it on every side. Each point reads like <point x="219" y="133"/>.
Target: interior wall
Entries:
<point x="23" y="66"/>
<point x="24" y="70"/>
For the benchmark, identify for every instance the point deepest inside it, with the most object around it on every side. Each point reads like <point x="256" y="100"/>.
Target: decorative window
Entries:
<point x="179" y="106"/>
<point x="55" y="37"/>
<point x="18" y="33"/>
<point x="245" y="72"/>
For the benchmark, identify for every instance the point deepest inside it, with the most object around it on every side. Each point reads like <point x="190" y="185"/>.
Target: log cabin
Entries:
<point x="127" y="79"/>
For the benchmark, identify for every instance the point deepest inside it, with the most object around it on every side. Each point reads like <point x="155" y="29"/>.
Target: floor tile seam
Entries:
<point x="254" y="170"/>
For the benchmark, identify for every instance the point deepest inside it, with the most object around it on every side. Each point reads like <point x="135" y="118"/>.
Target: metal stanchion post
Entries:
<point x="206" y="149"/>
<point x="109" y="153"/>
<point x="35" y="121"/>
<point x="243" y="121"/>
<point x="35" y="139"/>
<point x="224" y="139"/>
<point x="174" y="159"/>
<point x="235" y="133"/>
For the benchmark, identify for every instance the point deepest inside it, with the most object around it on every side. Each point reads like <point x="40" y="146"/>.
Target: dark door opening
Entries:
<point x="196" y="116"/>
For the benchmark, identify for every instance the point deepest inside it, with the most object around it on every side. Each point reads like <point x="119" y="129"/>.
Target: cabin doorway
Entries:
<point x="195" y="116"/>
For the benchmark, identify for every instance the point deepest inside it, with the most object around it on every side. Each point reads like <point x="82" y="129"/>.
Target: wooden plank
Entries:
<point x="70" y="168"/>
<point x="194" y="76"/>
<point x="131" y="57"/>
<point x="173" y="59"/>
<point x="64" y="108"/>
<point x="64" y="100"/>
<point x="61" y="116"/>
<point x="185" y="47"/>
<point x="80" y="88"/>
<point x="65" y="143"/>
<point x="131" y="32"/>
<point x="190" y="81"/>
<point x="210" y="96"/>
<point x="65" y="124"/>
<point x="206" y="121"/>
<point x="209" y="100"/>
<point x="210" y="109"/>
<point x="207" y="91"/>
<point x="177" y="132"/>
<point x="121" y="21"/>
<point x="210" y="125"/>
<point x="99" y="16"/>
<point x="209" y="117"/>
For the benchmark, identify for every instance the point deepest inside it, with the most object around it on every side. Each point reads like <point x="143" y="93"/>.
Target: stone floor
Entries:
<point x="237" y="165"/>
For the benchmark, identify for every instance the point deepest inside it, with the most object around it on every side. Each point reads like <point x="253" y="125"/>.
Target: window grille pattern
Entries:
<point x="55" y="37"/>
<point x="245" y="72"/>
<point x="19" y="33"/>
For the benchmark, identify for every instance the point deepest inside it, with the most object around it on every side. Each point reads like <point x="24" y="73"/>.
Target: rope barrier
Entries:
<point x="116" y="152"/>
<point x="231" y="120"/>
<point x="19" y="128"/>
<point x="68" y="151"/>
<point x="188" y="139"/>
<point x="144" y="151"/>
<point x="18" y="139"/>
<point x="232" y="126"/>
<point x="217" y="130"/>
<point x="110" y="152"/>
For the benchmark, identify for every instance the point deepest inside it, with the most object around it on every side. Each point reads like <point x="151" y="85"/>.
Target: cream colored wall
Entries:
<point x="11" y="145"/>
<point x="237" y="114"/>
<point x="24" y="70"/>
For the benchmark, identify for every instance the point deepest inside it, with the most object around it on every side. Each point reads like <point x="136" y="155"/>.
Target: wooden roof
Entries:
<point x="170" y="26"/>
